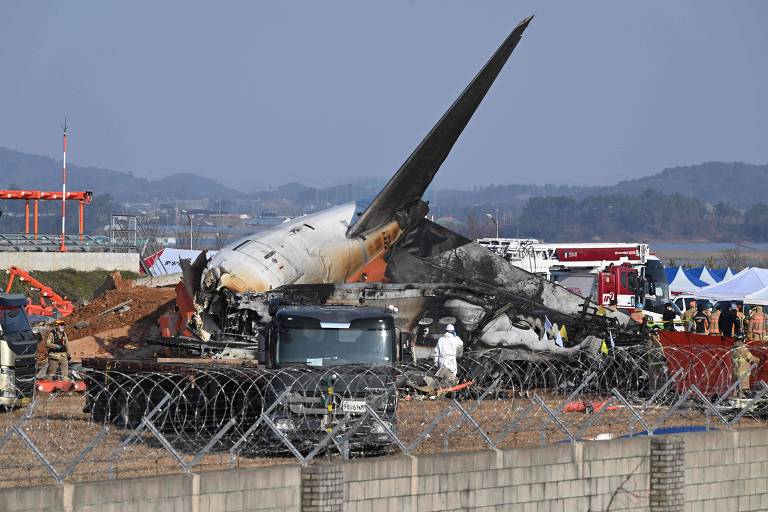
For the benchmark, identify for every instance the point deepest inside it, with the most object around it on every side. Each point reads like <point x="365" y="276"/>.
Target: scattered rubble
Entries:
<point x="115" y="323"/>
<point x="113" y="281"/>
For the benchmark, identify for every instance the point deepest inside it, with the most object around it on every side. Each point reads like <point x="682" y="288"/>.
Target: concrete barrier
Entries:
<point x="82" y="261"/>
<point x="718" y="470"/>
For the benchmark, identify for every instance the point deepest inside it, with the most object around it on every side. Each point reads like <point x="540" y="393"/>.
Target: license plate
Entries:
<point x="353" y="405"/>
<point x="24" y="401"/>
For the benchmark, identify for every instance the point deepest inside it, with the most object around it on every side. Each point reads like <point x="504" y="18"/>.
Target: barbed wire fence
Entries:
<point x="196" y="418"/>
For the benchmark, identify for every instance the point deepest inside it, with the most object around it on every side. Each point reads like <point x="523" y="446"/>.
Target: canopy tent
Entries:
<point x="685" y="282"/>
<point x="759" y="297"/>
<point x="718" y="273"/>
<point x="703" y="274"/>
<point x="730" y="273"/>
<point x="670" y="273"/>
<point x="748" y="281"/>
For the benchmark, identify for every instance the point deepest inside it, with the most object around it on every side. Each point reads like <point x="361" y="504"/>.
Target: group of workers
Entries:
<point x="732" y="322"/>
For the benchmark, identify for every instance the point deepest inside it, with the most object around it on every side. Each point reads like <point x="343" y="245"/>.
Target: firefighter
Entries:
<point x="688" y="315"/>
<point x="613" y="306"/>
<point x="445" y="354"/>
<point x="742" y="318"/>
<point x="714" y="319"/>
<point x="668" y="318"/>
<point x="742" y="363"/>
<point x="756" y="324"/>
<point x="701" y="322"/>
<point x="58" y="357"/>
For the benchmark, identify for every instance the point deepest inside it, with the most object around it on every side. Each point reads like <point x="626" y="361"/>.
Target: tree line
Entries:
<point x="650" y="215"/>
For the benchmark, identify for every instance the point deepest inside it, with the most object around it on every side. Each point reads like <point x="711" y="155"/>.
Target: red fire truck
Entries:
<point x="625" y="272"/>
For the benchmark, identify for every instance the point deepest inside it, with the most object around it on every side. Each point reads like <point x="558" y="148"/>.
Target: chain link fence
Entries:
<point x="135" y="420"/>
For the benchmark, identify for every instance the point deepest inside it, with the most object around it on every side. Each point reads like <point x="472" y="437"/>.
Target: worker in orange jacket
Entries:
<point x="714" y="322"/>
<point x="756" y="324"/>
<point x="637" y="315"/>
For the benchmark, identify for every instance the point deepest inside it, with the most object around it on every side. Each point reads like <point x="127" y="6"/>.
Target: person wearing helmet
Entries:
<point x="701" y="321"/>
<point x="743" y="360"/>
<point x="688" y="315"/>
<point x="445" y="354"/>
<point x="56" y="342"/>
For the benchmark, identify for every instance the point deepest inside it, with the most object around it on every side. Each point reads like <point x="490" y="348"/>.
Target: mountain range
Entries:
<point x="736" y="183"/>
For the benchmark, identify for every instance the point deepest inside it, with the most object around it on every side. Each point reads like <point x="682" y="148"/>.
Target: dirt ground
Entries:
<point x="116" y="334"/>
<point x="145" y="308"/>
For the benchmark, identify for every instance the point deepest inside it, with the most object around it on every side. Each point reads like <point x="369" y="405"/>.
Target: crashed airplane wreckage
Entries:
<point x="385" y="253"/>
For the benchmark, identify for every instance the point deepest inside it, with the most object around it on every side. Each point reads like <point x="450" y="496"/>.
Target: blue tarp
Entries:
<point x="694" y="279"/>
<point x="683" y="281"/>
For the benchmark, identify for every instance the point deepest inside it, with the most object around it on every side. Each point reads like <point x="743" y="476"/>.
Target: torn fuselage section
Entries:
<point x="486" y="318"/>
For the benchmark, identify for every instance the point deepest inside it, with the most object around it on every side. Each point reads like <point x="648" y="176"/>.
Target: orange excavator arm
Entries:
<point x="51" y="303"/>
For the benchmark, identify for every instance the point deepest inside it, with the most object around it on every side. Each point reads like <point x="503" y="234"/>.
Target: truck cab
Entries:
<point x="621" y="283"/>
<point x="332" y="336"/>
<point x="18" y="352"/>
<point x="333" y="361"/>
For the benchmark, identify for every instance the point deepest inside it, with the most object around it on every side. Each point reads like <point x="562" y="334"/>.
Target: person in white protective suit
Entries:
<point x="448" y="348"/>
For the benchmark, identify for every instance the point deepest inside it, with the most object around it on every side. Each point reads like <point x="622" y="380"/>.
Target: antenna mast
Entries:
<point x="62" y="247"/>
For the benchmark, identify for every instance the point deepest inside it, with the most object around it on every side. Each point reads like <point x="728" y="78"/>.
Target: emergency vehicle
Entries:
<point x="625" y="272"/>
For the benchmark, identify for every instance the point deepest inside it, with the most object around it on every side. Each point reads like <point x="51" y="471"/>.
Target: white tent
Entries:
<point x="730" y="273"/>
<point x="759" y="297"/>
<point x="749" y="280"/>
<point x="684" y="282"/>
<point x="706" y="276"/>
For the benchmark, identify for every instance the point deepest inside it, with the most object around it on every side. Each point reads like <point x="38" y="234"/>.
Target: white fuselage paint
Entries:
<point x="306" y="250"/>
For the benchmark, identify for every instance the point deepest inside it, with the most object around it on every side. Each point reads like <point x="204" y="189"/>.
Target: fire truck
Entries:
<point x="625" y="272"/>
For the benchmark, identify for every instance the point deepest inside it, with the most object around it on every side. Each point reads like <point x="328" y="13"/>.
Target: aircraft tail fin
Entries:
<point x="408" y="185"/>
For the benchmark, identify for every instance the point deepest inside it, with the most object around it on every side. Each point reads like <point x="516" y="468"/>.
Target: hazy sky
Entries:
<point x="261" y="93"/>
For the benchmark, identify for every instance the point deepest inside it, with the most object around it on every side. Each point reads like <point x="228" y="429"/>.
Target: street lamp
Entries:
<point x="495" y="221"/>
<point x="185" y="212"/>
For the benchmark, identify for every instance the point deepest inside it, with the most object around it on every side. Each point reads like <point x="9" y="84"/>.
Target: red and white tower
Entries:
<point x="63" y="247"/>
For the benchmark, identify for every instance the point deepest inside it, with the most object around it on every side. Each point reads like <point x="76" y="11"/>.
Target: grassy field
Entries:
<point x="76" y="286"/>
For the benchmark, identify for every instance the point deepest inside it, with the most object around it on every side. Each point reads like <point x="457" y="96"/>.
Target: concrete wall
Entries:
<point x="554" y="478"/>
<point x="726" y="470"/>
<point x="273" y="488"/>
<point x="83" y="261"/>
<point x="712" y="471"/>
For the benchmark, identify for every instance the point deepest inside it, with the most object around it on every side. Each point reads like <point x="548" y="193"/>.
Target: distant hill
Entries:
<point x="736" y="183"/>
<point x="43" y="173"/>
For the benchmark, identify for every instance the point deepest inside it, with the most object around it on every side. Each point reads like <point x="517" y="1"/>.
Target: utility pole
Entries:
<point x="495" y="221"/>
<point x="190" y="227"/>
<point x="62" y="247"/>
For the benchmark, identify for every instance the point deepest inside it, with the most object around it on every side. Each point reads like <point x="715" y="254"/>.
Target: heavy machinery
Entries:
<point x="50" y="304"/>
<point x="318" y="365"/>
<point x="18" y="351"/>
<point x="360" y="346"/>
